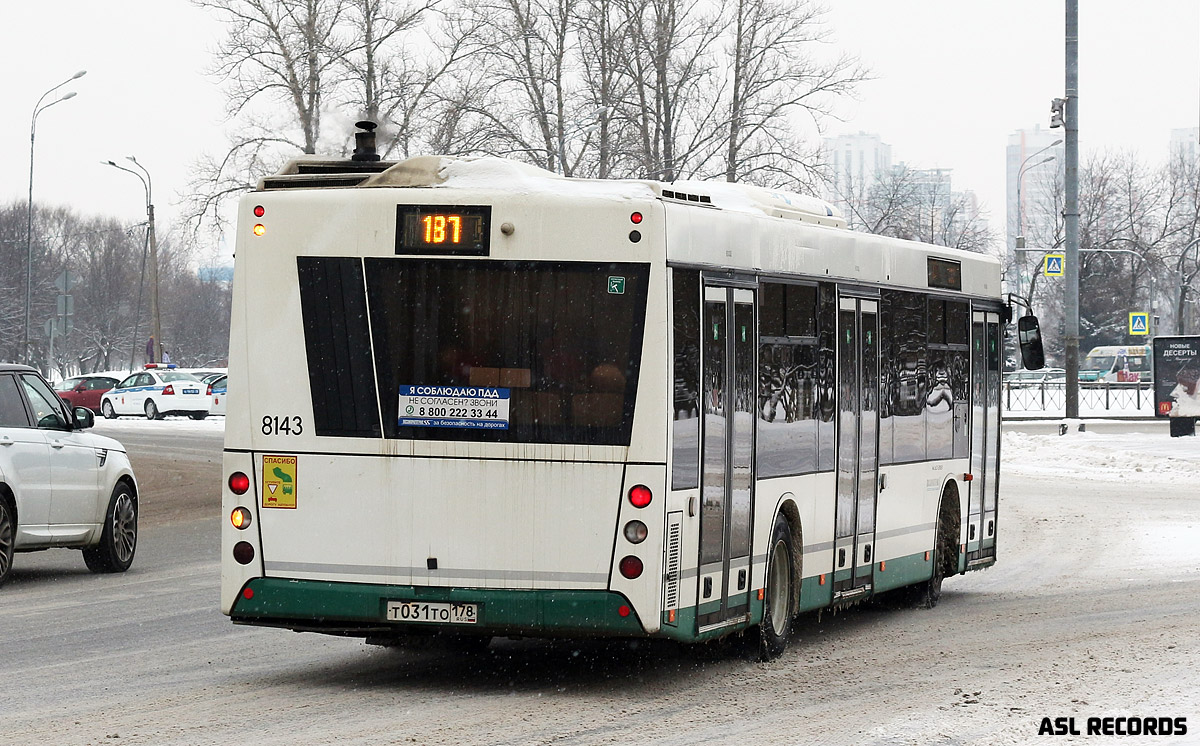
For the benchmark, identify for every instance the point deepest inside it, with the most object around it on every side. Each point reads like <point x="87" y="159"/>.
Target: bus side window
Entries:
<point x="826" y="375"/>
<point x="685" y="429"/>
<point x="789" y="384"/>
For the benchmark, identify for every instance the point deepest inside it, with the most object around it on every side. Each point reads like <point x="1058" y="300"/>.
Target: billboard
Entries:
<point x="1177" y="376"/>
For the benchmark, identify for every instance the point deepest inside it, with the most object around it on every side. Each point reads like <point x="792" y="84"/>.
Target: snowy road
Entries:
<point x="1092" y="611"/>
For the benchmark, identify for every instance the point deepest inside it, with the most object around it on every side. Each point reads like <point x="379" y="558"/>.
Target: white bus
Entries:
<point x="473" y="398"/>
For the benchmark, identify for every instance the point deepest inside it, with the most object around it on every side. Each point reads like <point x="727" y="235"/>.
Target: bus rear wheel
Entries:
<point x="776" y="626"/>
<point x="945" y="553"/>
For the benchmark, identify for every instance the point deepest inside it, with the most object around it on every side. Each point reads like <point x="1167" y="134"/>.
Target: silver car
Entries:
<point x="61" y="486"/>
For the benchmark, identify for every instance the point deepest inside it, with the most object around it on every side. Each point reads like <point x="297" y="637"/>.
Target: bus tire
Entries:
<point x="118" y="541"/>
<point x="928" y="594"/>
<point x="776" y="626"/>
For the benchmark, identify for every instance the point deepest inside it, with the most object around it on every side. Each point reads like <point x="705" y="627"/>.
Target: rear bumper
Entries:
<point x="359" y="609"/>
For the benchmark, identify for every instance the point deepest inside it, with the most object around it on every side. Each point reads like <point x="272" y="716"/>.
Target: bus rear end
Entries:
<point x="446" y="412"/>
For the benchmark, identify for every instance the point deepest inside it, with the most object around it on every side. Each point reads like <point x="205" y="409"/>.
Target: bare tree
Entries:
<point x="674" y="89"/>
<point x="526" y="48"/>
<point x="105" y="258"/>
<point x="604" y="43"/>
<point x="397" y="61"/>
<point x="1182" y="256"/>
<point x="881" y="205"/>
<point x="279" y="61"/>
<point x="776" y="74"/>
<point x="918" y="205"/>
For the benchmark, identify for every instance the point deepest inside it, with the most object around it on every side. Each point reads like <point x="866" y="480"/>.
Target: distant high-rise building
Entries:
<point x="1033" y="160"/>
<point x="1186" y="143"/>
<point x="934" y="185"/>
<point x="855" y="163"/>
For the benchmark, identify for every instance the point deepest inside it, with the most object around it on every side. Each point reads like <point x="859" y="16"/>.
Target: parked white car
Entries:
<point x="155" y="392"/>
<point x="60" y="486"/>
<point x="217" y="389"/>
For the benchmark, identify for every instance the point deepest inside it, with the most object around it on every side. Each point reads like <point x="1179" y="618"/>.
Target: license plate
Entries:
<point x="437" y="613"/>
<point x="191" y="391"/>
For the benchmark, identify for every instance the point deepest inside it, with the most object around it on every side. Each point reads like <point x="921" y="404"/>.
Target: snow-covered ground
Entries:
<point x="1136" y="457"/>
<point x="166" y="426"/>
<point x="1144" y="457"/>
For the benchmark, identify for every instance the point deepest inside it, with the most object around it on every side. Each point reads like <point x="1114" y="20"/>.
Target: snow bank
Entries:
<point x="1138" y="457"/>
<point x="167" y="426"/>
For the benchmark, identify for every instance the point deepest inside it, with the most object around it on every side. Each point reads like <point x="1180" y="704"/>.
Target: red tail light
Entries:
<point x="209" y="391"/>
<point x="631" y="567"/>
<point x="239" y="483"/>
<point x="640" y="496"/>
<point x="169" y="391"/>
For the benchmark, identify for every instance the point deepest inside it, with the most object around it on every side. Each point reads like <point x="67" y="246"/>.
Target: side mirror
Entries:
<point x="52" y="421"/>
<point x="1029" y="336"/>
<point x="84" y="418"/>
<point x="81" y="387"/>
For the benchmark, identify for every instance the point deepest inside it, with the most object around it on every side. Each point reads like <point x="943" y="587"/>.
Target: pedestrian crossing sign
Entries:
<point x="1139" y="323"/>
<point x="1053" y="265"/>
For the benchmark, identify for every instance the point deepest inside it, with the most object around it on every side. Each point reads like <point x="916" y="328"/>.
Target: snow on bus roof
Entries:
<point x="490" y="172"/>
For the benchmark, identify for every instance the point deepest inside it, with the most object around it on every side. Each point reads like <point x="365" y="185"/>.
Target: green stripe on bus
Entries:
<point x="500" y="611"/>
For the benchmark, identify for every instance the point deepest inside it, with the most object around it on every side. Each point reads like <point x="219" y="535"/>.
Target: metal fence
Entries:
<point x="1095" y="399"/>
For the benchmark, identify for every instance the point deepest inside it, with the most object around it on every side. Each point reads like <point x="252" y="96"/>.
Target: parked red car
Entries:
<point x="84" y="391"/>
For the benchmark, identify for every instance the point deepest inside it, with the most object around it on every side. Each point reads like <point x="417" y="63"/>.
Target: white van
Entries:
<point x="1116" y="363"/>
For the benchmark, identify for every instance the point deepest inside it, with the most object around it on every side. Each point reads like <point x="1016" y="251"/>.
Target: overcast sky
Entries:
<point x="953" y="80"/>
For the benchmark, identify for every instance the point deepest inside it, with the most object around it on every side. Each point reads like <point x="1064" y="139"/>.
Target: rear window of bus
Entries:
<point x="562" y="341"/>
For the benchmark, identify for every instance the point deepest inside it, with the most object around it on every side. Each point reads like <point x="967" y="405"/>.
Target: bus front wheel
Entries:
<point x="776" y="625"/>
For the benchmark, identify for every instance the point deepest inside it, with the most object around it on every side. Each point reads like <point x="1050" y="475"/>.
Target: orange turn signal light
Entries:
<point x="240" y="518"/>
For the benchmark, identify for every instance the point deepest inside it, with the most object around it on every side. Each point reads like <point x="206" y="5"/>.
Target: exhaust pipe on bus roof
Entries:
<point x="364" y="142"/>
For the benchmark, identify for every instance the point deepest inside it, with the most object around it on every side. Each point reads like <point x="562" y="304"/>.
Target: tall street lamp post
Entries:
<point x="148" y="186"/>
<point x="1070" y="122"/>
<point x="37" y="109"/>
<point x="1020" y="237"/>
<point x="1184" y="287"/>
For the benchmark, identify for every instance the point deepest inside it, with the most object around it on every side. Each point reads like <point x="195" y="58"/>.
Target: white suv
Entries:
<point x="60" y="486"/>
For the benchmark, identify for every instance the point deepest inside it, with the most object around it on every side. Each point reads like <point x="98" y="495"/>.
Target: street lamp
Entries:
<point x="1184" y="286"/>
<point x="154" y="311"/>
<point x="1020" y="237"/>
<point x="37" y="109"/>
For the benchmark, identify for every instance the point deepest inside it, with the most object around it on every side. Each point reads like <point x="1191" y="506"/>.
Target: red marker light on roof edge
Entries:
<point x="259" y="211"/>
<point x="635" y="218"/>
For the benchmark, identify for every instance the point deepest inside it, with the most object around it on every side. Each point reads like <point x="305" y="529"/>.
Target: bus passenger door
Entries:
<point x="985" y="438"/>
<point x="729" y="390"/>
<point x="858" y="447"/>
